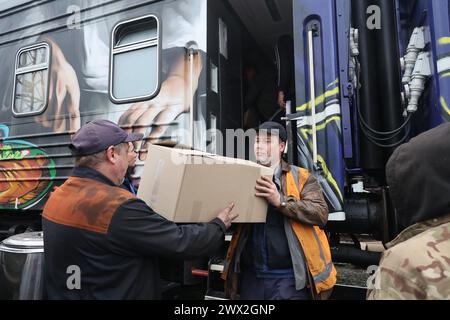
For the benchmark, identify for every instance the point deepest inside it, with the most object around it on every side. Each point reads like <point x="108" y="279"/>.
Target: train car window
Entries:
<point x="31" y="80"/>
<point x="134" y="73"/>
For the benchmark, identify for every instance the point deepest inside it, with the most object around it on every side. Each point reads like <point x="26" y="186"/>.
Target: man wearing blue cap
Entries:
<point x="100" y="241"/>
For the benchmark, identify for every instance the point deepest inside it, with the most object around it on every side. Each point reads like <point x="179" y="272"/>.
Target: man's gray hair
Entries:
<point x="93" y="160"/>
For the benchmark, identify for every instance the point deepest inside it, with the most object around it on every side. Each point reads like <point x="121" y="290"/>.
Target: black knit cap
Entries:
<point x="274" y="128"/>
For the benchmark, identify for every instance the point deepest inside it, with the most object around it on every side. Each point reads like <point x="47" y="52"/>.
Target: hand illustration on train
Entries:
<point x="63" y="111"/>
<point x="153" y="117"/>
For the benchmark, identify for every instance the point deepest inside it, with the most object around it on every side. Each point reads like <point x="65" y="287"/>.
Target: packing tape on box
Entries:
<point x="157" y="181"/>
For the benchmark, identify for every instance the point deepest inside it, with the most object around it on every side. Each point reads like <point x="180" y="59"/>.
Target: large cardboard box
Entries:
<point x="192" y="186"/>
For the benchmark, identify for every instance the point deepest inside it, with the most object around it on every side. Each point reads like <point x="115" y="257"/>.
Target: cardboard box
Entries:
<point x="192" y="186"/>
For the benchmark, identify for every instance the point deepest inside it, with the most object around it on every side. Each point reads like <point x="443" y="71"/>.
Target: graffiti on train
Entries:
<point x="26" y="173"/>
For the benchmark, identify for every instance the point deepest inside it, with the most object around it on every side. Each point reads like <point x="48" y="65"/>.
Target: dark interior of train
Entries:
<point x="255" y="28"/>
<point x="268" y="38"/>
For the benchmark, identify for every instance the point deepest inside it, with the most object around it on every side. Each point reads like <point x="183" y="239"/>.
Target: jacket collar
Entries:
<point x="285" y="167"/>
<point x="86" y="172"/>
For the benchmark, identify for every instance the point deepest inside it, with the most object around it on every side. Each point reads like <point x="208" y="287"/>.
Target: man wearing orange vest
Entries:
<point x="288" y="257"/>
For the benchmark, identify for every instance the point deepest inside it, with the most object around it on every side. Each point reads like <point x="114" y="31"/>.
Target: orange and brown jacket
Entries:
<point x="114" y="239"/>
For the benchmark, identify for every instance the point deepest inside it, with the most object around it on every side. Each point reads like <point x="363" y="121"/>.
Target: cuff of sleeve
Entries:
<point x="220" y="223"/>
<point x="287" y="209"/>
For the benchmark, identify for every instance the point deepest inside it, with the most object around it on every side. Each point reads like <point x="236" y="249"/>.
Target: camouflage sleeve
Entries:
<point x="311" y="209"/>
<point x="417" y="268"/>
<point x="392" y="285"/>
<point x="396" y="279"/>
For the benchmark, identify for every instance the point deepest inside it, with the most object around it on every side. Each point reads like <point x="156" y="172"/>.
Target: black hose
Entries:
<point x="393" y="145"/>
<point x="365" y="127"/>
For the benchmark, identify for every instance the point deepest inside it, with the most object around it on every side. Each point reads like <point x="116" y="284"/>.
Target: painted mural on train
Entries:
<point x="137" y="72"/>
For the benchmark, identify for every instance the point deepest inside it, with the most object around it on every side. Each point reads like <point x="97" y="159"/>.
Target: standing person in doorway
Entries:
<point x="288" y="257"/>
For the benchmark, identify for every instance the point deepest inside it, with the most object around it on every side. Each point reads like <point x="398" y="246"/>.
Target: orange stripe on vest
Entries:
<point x="313" y="240"/>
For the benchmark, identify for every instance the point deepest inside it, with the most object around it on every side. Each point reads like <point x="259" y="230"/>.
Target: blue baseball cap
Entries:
<point x="99" y="135"/>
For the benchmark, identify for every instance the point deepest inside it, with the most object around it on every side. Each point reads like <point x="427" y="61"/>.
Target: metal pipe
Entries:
<point x="199" y="273"/>
<point x="191" y="92"/>
<point x="312" y="94"/>
<point x="350" y="254"/>
<point x="290" y="145"/>
<point x="389" y="79"/>
<point x="368" y="97"/>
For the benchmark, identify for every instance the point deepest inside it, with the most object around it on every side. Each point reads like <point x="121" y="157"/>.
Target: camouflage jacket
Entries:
<point x="417" y="264"/>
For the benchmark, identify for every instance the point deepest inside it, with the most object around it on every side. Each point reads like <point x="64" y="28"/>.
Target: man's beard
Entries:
<point x="264" y="161"/>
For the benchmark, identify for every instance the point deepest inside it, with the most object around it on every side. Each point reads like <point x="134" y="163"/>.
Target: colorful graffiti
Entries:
<point x="328" y="126"/>
<point x="26" y="173"/>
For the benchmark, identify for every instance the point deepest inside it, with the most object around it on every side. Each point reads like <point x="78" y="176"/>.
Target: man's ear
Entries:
<point x="282" y="147"/>
<point x="111" y="155"/>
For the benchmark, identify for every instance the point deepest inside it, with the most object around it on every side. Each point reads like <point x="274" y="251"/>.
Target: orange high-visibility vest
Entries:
<point x="313" y="240"/>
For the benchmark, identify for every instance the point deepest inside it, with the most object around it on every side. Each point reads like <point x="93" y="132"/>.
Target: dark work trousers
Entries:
<point x="253" y="288"/>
